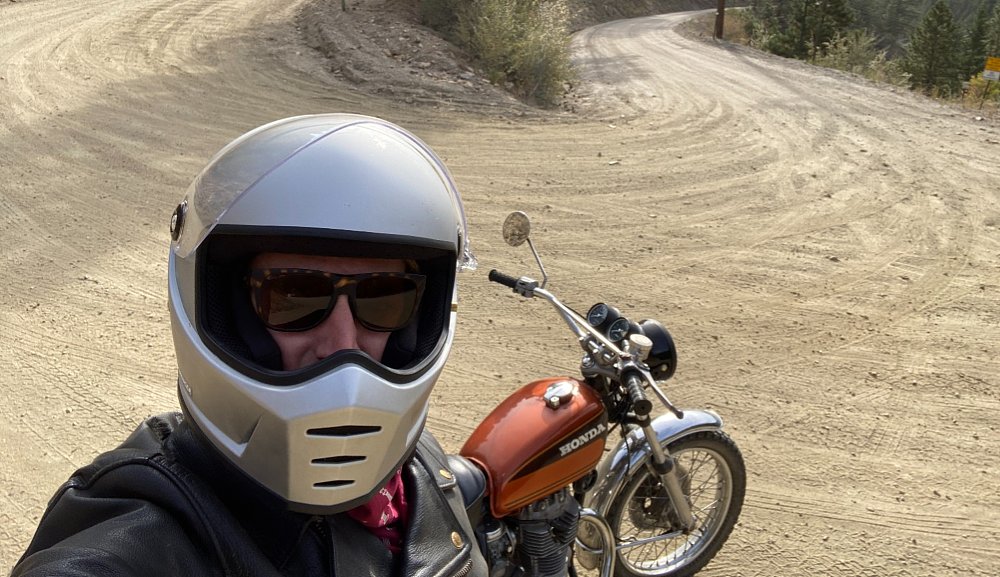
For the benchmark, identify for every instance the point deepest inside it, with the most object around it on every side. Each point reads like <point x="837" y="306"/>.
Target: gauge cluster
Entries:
<point x="662" y="358"/>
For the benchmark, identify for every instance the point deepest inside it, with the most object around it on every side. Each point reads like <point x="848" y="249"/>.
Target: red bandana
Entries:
<point x="385" y="514"/>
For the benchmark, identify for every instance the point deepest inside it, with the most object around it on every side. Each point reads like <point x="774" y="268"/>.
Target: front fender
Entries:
<point x="633" y="451"/>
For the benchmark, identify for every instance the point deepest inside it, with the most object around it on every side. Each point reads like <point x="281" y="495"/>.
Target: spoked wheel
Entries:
<point x="650" y="541"/>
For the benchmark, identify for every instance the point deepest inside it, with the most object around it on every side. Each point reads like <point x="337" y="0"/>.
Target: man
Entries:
<point x="312" y="295"/>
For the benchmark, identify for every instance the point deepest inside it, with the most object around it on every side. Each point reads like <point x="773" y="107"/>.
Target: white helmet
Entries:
<point x="327" y="436"/>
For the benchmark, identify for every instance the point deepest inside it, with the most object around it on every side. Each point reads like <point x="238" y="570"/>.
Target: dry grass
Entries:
<point x="734" y="29"/>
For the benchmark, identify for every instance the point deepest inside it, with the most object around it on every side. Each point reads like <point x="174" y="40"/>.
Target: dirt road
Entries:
<point x="825" y="251"/>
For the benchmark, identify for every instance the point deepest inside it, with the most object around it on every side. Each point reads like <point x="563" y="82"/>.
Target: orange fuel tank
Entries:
<point x="531" y="446"/>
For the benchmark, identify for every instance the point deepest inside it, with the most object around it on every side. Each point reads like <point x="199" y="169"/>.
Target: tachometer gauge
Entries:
<point x="618" y="330"/>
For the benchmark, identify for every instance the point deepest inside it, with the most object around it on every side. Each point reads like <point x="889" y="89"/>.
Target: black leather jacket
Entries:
<point x="165" y="503"/>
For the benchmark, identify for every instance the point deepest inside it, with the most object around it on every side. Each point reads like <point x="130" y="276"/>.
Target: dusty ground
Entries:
<point x="826" y="252"/>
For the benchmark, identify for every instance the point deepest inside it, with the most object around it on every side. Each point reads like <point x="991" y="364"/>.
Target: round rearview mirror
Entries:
<point x="516" y="228"/>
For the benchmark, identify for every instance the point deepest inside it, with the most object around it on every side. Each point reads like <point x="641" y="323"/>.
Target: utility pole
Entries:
<point x="720" y="19"/>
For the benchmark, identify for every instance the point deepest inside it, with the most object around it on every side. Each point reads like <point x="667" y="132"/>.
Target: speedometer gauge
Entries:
<point x="598" y="314"/>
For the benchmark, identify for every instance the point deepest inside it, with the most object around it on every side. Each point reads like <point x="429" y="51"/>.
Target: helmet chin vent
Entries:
<point x="339" y="460"/>
<point x="333" y="484"/>
<point x="345" y="431"/>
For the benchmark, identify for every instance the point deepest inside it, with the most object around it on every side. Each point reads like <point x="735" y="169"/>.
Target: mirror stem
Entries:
<point x="545" y="277"/>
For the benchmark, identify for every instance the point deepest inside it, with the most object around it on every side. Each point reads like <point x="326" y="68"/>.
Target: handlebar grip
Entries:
<point x="499" y="277"/>
<point x="640" y="404"/>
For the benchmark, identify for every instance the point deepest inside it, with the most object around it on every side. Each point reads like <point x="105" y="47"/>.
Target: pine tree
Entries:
<point x="894" y="24"/>
<point x="975" y="48"/>
<point x="778" y="24"/>
<point x="865" y="13"/>
<point x="798" y="28"/>
<point x="934" y="55"/>
<point x="830" y="20"/>
<point x="993" y="34"/>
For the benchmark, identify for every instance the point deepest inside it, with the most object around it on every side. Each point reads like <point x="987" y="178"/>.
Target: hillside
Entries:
<point x="590" y="12"/>
<point x="380" y="48"/>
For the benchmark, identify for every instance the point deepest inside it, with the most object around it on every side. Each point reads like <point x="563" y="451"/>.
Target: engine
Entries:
<point x="547" y="435"/>
<point x="536" y="540"/>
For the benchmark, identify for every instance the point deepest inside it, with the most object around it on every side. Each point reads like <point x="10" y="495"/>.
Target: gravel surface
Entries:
<point x="824" y="250"/>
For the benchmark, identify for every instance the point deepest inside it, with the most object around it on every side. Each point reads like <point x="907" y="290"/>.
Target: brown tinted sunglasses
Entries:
<point x="296" y="299"/>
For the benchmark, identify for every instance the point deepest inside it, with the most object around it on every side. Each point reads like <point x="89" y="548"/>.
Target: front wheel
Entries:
<point x="648" y="538"/>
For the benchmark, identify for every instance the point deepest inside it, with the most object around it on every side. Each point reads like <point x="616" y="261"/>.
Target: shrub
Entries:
<point x="541" y="57"/>
<point x="851" y="52"/>
<point x="856" y="52"/>
<point x="735" y="27"/>
<point x="981" y="90"/>
<point x="521" y="42"/>
<point x="887" y="70"/>
<point x="490" y="30"/>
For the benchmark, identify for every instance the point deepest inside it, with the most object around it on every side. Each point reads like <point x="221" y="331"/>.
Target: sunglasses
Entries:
<point x="295" y="299"/>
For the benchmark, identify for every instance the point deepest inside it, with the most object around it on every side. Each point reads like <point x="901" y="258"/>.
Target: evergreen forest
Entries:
<point x="937" y="46"/>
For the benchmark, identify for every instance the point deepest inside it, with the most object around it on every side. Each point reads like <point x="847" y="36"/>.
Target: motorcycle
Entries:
<point x="660" y="502"/>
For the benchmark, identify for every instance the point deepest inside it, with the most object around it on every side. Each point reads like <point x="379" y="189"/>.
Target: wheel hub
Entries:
<point x="650" y="508"/>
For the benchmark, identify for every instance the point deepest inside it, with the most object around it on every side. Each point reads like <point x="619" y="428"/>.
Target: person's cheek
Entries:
<point x="374" y="343"/>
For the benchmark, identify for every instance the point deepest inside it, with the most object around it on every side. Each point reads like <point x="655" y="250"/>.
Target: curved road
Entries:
<point x="824" y="250"/>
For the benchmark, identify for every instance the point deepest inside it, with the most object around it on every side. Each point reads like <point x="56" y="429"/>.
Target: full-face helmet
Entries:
<point x="327" y="436"/>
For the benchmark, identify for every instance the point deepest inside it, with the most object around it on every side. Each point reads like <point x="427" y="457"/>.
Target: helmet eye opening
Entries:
<point x="232" y="329"/>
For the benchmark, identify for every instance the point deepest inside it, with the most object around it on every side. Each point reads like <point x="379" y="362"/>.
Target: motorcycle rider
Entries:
<point x="312" y="292"/>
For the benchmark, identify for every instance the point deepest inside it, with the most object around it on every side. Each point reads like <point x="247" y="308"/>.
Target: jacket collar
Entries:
<point x="434" y="546"/>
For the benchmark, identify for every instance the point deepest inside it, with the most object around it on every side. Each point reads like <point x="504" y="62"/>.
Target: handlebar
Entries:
<point x="593" y="342"/>
<point x="501" y="278"/>
<point x="640" y="404"/>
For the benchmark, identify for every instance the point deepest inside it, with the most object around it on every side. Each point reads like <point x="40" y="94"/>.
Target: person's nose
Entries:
<point x="338" y="331"/>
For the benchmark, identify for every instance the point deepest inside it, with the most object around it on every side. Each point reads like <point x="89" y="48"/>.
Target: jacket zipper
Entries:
<point x="465" y="569"/>
<point x="320" y="526"/>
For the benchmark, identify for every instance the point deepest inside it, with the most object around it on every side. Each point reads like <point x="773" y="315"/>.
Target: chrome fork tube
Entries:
<point x="664" y="465"/>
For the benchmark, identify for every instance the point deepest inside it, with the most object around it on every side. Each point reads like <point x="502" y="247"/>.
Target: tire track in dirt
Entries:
<point x="891" y="255"/>
<point x="763" y="209"/>
<point x="928" y="523"/>
<point x="103" y="102"/>
<point x="789" y="225"/>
